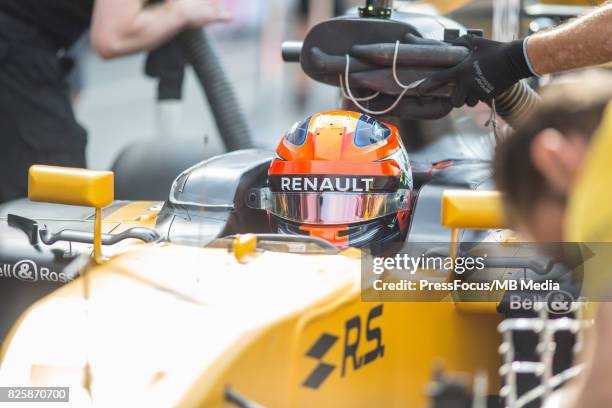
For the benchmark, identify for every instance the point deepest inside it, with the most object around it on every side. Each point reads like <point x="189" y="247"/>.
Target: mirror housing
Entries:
<point x="66" y="185"/>
<point x="73" y="186"/>
<point x="477" y="210"/>
<point x="472" y="209"/>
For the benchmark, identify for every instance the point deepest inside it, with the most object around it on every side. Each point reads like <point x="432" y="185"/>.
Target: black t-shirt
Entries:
<point x="61" y="21"/>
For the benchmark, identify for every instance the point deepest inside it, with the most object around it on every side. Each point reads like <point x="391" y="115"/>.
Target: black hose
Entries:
<point x="231" y="121"/>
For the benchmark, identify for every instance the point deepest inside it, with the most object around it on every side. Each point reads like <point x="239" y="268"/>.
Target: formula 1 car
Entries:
<point x="245" y="320"/>
<point x="193" y="302"/>
<point x="180" y="321"/>
<point x="208" y="200"/>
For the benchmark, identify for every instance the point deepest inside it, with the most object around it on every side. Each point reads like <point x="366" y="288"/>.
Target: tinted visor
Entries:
<point x="335" y="208"/>
<point x="369" y="131"/>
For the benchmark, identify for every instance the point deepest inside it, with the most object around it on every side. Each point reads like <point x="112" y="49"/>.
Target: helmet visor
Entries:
<point x="335" y="208"/>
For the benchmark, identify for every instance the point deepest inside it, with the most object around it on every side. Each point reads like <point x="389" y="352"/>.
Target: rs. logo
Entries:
<point x="323" y="370"/>
<point x="351" y="343"/>
<point x="352" y="337"/>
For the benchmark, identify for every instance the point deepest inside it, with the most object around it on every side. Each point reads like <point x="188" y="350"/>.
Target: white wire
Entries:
<point x="492" y="121"/>
<point x="363" y="108"/>
<point x="395" y="77"/>
<point x="352" y="98"/>
<point x="365" y="98"/>
<point x="397" y="81"/>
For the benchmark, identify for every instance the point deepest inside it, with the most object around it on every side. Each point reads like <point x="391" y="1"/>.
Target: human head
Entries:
<point x="537" y="167"/>
<point x="341" y="176"/>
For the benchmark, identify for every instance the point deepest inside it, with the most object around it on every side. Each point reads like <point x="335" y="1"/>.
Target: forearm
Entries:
<point x="136" y="28"/>
<point x="582" y="42"/>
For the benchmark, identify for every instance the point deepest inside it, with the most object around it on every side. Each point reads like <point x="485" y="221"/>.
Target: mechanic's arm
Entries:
<point x="582" y="42"/>
<point x="121" y="27"/>
<point x="492" y="67"/>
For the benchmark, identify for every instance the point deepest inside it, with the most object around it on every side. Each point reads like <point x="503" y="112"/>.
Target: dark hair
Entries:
<point x="574" y="104"/>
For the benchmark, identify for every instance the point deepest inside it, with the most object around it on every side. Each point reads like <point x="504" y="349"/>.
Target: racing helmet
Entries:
<point x="341" y="176"/>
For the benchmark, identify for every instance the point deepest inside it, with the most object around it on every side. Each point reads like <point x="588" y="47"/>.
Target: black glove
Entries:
<point x="491" y="68"/>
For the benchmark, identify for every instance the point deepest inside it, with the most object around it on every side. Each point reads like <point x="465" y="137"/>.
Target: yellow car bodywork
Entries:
<point x="177" y="325"/>
<point x="162" y="324"/>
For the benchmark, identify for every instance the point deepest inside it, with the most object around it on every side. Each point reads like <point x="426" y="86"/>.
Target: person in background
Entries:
<point x="304" y="17"/>
<point x="37" y="122"/>
<point x="75" y="76"/>
<point x="537" y="166"/>
<point x="555" y="174"/>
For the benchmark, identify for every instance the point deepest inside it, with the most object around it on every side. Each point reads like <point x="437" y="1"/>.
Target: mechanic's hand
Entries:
<point x="490" y="69"/>
<point x="198" y="13"/>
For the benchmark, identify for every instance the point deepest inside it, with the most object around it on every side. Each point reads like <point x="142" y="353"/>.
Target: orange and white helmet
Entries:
<point x="341" y="176"/>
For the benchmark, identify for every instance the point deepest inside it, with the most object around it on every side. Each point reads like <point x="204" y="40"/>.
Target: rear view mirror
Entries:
<point x="66" y="185"/>
<point x="472" y="209"/>
<point x="73" y="186"/>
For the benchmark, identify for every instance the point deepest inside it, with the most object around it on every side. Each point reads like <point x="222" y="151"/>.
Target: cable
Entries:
<point x="394" y="68"/>
<point x="395" y="77"/>
<point x="492" y="122"/>
<point x="366" y="110"/>
<point x="365" y="98"/>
